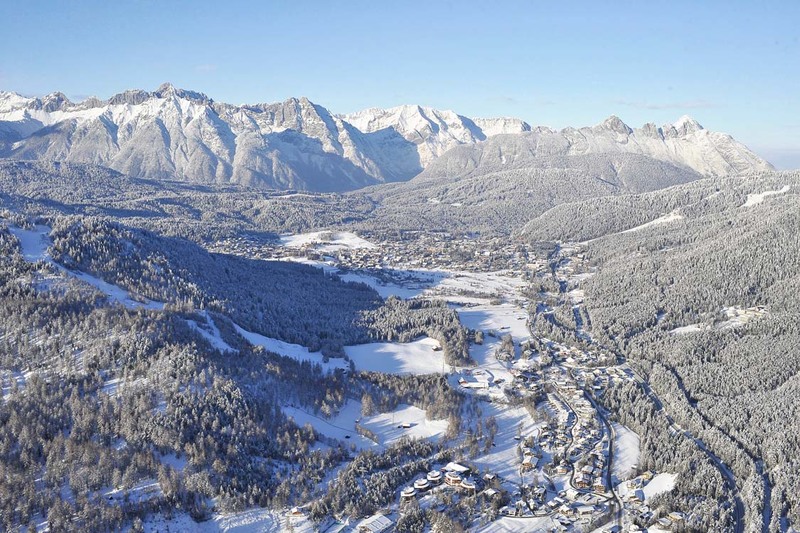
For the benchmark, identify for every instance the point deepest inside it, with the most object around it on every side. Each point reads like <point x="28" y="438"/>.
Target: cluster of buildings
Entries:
<point x="568" y="508"/>
<point x="452" y="476"/>
<point x="428" y="250"/>
<point x="555" y="437"/>
<point x="527" y="379"/>
<point x="442" y="250"/>
<point x="475" y="379"/>
<point x="635" y="505"/>
<point x="572" y="357"/>
<point x="601" y="378"/>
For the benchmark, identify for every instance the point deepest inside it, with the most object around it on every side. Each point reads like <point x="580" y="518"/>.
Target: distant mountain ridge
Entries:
<point x="172" y="133"/>
<point x="434" y="132"/>
<point x="685" y="144"/>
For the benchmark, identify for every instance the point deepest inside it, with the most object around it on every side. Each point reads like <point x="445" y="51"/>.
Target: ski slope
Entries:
<point x="34" y="244"/>
<point x="295" y="351"/>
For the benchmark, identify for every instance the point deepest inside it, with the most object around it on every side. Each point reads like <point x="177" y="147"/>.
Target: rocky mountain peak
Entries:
<point x="615" y="124"/>
<point x="54" y="102"/>
<point x="685" y="126"/>
<point x="167" y="90"/>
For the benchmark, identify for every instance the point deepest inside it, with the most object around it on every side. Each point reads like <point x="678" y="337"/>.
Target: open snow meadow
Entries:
<point x="422" y="356"/>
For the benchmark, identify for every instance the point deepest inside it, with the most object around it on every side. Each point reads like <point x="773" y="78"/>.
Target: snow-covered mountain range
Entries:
<point x="684" y="144"/>
<point x="432" y="131"/>
<point x="172" y="133"/>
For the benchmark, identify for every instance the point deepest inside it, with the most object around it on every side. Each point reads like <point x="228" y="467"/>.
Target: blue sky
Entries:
<point x="734" y="65"/>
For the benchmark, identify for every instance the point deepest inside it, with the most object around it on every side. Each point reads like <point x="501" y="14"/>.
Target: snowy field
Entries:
<point x="669" y="217"/>
<point x="114" y="293"/>
<point x="385" y="289"/>
<point x="509" y="524"/>
<point x="757" y="198"/>
<point x="11" y="378"/>
<point x="341" y="427"/>
<point x="210" y="332"/>
<point x="417" y="357"/>
<point x="576" y="296"/>
<point x="503" y="459"/>
<point x="388" y="426"/>
<point x="111" y="386"/>
<point x="737" y="316"/>
<point x="250" y="521"/>
<point x="326" y="241"/>
<point x="489" y="368"/>
<point x="691" y="328"/>
<point x="475" y="287"/>
<point x="626" y="454"/>
<point x="172" y="460"/>
<point x="453" y="286"/>
<point x="34" y="242"/>
<point x="295" y="351"/>
<point x="660" y="483"/>
<point x="502" y="318"/>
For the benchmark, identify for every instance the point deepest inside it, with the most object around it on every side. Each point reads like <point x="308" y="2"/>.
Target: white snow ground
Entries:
<point x="503" y="459"/>
<point x="383" y="288"/>
<point x="626" y="454"/>
<point x="295" y="351"/>
<point x="389" y="426"/>
<point x="737" y="316"/>
<point x="663" y="482"/>
<point x="417" y="357"/>
<point x="326" y="241"/>
<point x="757" y="198"/>
<point x="502" y="318"/>
<point x="691" y="328"/>
<point x="211" y="333"/>
<point x="669" y="217"/>
<point x="34" y="242"/>
<point x="508" y="524"/>
<point x="474" y="287"/>
<point x="341" y="427"/>
<point x="249" y="521"/>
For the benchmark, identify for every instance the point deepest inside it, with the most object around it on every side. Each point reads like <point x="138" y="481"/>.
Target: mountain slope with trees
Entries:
<point x="697" y="286"/>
